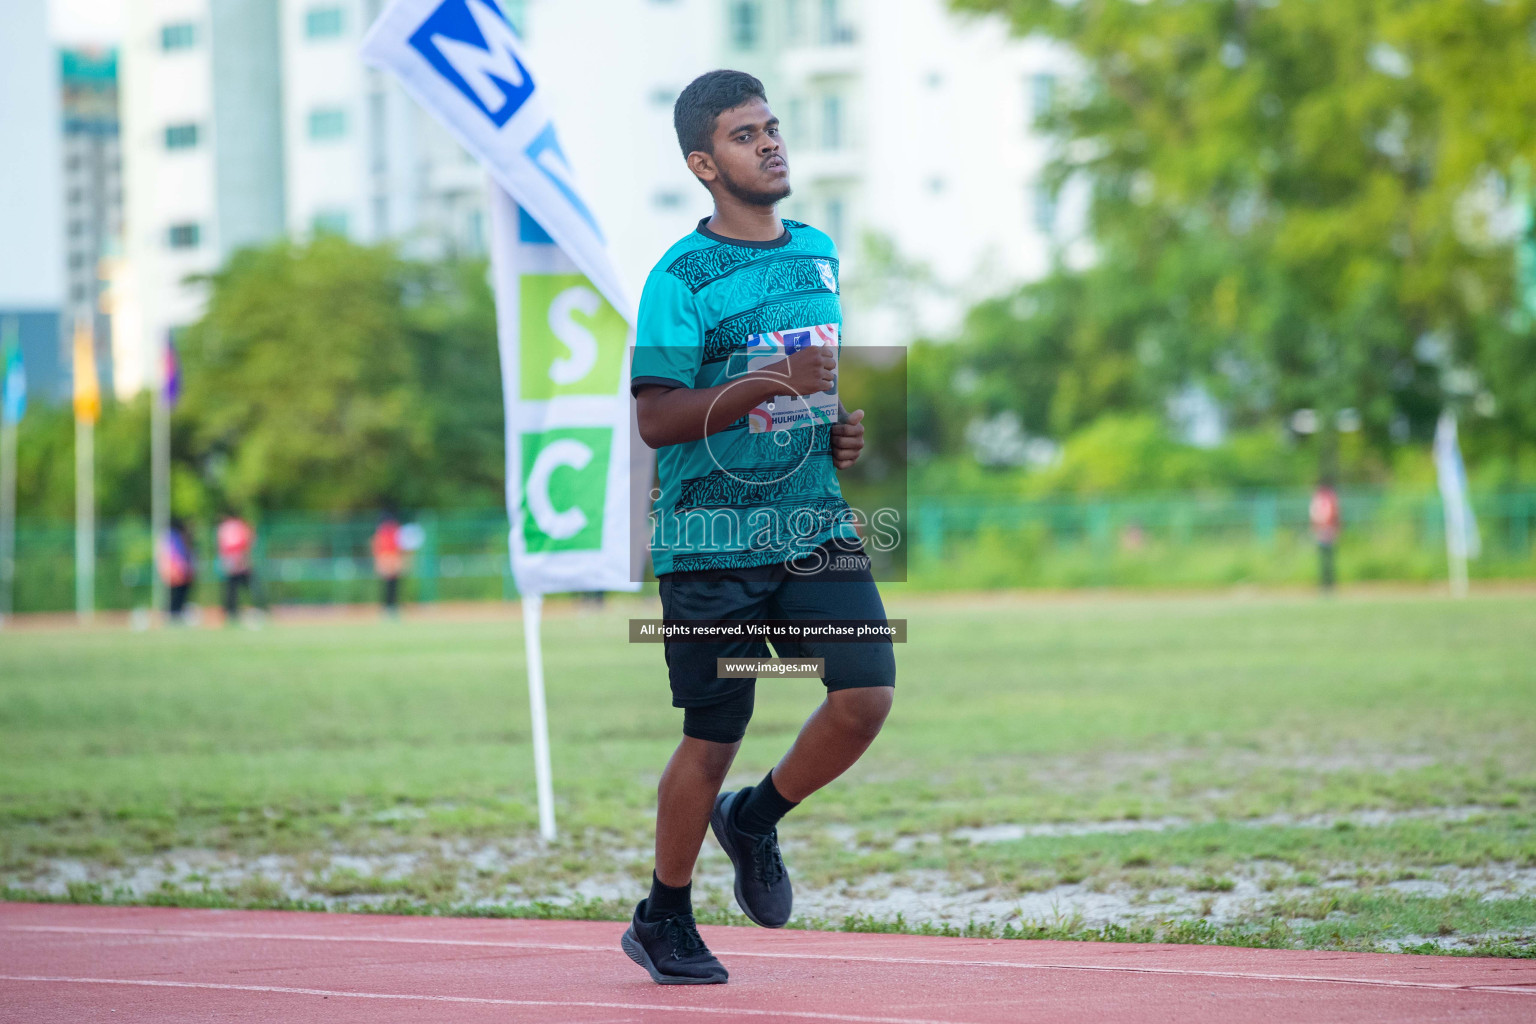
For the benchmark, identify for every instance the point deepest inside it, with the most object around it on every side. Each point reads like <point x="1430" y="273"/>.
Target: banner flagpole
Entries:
<point x="533" y="605"/>
<point x="507" y="277"/>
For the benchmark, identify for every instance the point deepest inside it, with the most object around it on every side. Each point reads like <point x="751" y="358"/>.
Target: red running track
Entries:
<point x="77" y="964"/>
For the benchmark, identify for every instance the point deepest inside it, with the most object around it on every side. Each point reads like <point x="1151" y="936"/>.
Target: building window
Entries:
<point x="1042" y="208"/>
<point x="185" y="236"/>
<point x="1042" y="95"/>
<point x="377" y="125"/>
<point x="327" y="123"/>
<point x="330" y="222"/>
<point x="181" y="35"/>
<point x="322" y="22"/>
<point x="832" y="31"/>
<point x="381" y="216"/>
<point x="476" y="233"/>
<point x="662" y="96"/>
<point x="835" y="220"/>
<point x="744" y="17"/>
<point x="832" y="122"/>
<point x="796" y="117"/>
<point x="667" y="200"/>
<point x="180" y="136"/>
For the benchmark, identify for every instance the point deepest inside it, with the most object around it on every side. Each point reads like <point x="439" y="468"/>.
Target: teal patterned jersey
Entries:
<point x="764" y="489"/>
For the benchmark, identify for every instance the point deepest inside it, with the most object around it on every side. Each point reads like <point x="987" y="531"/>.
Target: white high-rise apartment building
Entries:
<point x="360" y="157"/>
<point x="245" y="120"/>
<point x="202" y="154"/>
<point x="903" y="120"/>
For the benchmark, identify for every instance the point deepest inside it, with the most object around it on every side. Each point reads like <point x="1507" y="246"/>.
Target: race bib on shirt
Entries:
<point x="788" y="412"/>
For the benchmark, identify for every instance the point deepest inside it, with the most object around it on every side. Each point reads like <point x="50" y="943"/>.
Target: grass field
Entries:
<point x="1357" y="773"/>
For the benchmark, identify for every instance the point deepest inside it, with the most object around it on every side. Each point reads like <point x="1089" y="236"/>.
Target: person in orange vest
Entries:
<point x="235" y="539"/>
<point x="176" y="566"/>
<point x="389" y="563"/>
<point x="1324" y="513"/>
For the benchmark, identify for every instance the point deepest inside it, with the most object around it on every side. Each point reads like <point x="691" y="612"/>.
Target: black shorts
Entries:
<point x="833" y="582"/>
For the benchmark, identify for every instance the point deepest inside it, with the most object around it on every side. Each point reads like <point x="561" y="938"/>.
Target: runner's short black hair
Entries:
<point x="705" y="99"/>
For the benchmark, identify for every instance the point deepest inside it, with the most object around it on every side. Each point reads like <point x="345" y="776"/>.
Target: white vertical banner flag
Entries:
<point x="563" y="320"/>
<point x="1461" y="537"/>
<point x="565" y="377"/>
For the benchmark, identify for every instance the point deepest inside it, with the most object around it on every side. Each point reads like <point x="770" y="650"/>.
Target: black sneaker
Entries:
<point x="762" y="885"/>
<point x="671" y="950"/>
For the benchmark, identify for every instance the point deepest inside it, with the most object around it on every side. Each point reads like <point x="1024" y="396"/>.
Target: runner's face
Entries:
<point x="750" y="159"/>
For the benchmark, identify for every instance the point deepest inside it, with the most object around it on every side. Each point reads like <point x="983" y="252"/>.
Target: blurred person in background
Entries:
<point x="389" y="563"/>
<point x="176" y="567"/>
<point x="235" y="540"/>
<point x="1324" y="513"/>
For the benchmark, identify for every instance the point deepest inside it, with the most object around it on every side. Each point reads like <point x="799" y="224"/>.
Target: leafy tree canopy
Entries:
<point x="1299" y="204"/>
<point x="323" y="376"/>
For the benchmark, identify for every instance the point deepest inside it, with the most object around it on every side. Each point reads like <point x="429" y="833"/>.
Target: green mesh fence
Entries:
<point x="1175" y="540"/>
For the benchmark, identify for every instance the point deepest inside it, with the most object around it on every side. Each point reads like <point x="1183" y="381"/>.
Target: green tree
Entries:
<point x="1306" y="197"/>
<point x="45" y="450"/>
<point x="458" y="372"/>
<point x="337" y="377"/>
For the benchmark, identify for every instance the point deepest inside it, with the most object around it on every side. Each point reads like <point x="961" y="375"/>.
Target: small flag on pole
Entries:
<point x="15" y="386"/>
<point x="87" y="387"/>
<point x="172" y="372"/>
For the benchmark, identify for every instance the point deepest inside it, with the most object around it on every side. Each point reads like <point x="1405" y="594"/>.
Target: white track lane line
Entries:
<point x="854" y="958"/>
<point x="728" y="1011"/>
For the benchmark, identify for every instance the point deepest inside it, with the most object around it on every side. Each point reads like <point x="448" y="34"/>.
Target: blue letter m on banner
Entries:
<point x="473" y="46"/>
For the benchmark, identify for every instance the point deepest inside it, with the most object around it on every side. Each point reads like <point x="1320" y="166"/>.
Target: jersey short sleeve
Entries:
<point x="669" y="337"/>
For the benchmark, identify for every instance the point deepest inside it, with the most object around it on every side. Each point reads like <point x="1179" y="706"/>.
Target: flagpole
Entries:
<point x="159" y="475"/>
<point x="1456" y="544"/>
<point x="85" y="519"/>
<point x="532" y="606"/>
<point x="503" y="235"/>
<point x="7" y="517"/>
<point x="87" y="411"/>
<point x="1461" y="539"/>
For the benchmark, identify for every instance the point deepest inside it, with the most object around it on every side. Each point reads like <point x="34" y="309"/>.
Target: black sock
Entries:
<point x="666" y="900"/>
<point x="762" y="808"/>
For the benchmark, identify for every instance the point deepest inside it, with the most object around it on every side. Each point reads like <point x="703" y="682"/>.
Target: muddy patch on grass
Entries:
<point x="458" y="873"/>
<point x="1360" y="819"/>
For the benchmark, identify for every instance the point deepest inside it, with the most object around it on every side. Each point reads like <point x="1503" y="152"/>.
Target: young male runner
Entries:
<point x="750" y="522"/>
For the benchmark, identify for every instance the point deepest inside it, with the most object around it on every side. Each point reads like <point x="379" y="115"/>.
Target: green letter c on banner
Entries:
<point x="564" y="488"/>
